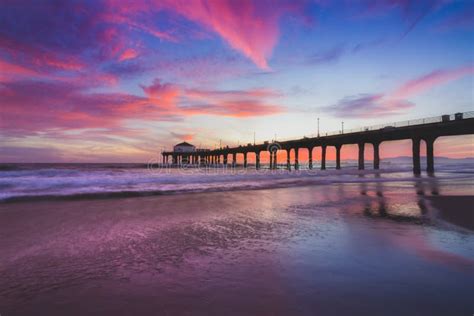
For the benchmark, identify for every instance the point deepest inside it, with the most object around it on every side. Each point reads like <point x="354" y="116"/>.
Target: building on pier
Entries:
<point x="184" y="153"/>
<point x="184" y="147"/>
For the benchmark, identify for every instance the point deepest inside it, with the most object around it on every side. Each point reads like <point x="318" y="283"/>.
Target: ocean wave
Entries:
<point x="87" y="183"/>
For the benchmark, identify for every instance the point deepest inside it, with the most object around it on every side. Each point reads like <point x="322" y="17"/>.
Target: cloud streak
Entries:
<point x="428" y="81"/>
<point x="328" y="56"/>
<point x="394" y="102"/>
<point x="368" y="106"/>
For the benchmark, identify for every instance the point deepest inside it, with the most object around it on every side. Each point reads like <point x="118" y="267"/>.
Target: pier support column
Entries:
<point x="257" y="160"/>
<point x="338" y="156"/>
<point x="275" y="160"/>
<point x="225" y="160"/>
<point x="288" y="162"/>
<point x="234" y="159"/>
<point x="245" y="160"/>
<point x="297" y="165"/>
<point x="310" y="157"/>
<point x="219" y="159"/>
<point x="416" y="155"/>
<point x="430" y="154"/>
<point x="323" y="157"/>
<point x="376" y="156"/>
<point x="271" y="160"/>
<point x="361" y="156"/>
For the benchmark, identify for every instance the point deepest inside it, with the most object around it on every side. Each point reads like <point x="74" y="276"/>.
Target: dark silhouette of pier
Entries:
<point x="428" y="129"/>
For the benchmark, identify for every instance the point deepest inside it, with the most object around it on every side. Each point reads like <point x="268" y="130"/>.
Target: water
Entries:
<point x="328" y="243"/>
<point x="27" y="181"/>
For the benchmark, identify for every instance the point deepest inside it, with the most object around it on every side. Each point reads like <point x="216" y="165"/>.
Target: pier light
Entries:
<point x="318" y="126"/>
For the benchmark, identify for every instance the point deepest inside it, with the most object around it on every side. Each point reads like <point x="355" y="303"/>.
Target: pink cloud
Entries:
<point x="8" y="70"/>
<point x="235" y="103"/>
<point x="247" y="26"/>
<point x="183" y="136"/>
<point x="234" y="108"/>
<point x="163" y="94"/>
<point x="64" y="106"/>
<point x="426" y="82"/>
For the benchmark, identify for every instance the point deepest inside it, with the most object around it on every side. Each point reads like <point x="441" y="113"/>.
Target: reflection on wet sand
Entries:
<point x="377" y="204"/>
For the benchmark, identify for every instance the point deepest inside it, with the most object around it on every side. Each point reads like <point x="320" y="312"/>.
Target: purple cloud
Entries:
<point x="367" y="106"/>
<point x="327" y="56"/>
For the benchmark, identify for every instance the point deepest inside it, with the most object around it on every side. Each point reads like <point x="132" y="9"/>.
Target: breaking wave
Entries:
<point x="84" y="181"/>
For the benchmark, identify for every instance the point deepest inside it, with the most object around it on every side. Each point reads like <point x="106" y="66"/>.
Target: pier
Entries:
<point x="427" y="130"/>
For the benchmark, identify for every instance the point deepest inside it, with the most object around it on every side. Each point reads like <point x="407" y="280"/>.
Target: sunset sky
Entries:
<point x="118" y="81"/>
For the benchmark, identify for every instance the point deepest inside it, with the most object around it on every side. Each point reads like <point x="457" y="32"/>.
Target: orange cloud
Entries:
<point x="162" y="94"/>
<point x="234" y="103"/>
<point x="128" y="54"/>
<point x="181" y="136"/>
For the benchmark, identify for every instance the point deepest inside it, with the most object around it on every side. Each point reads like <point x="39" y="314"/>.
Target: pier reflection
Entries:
<point x="381" y="202"/>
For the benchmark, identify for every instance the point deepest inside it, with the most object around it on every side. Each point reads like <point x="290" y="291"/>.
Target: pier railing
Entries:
<point x="427" y="120"/>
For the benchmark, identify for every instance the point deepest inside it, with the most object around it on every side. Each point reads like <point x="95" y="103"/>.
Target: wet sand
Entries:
<point x="358" y="249"/>
<point x="458" y="210"/>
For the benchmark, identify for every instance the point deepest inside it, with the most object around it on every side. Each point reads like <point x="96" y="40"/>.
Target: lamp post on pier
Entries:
<point x="318" y="126"/>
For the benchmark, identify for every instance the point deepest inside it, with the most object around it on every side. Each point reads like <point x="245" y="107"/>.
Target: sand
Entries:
<point x="327" y="250"/>
<point x="458" y="210"/>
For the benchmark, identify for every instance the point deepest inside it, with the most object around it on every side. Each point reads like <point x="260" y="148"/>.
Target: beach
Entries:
<point x="367" y="247"/>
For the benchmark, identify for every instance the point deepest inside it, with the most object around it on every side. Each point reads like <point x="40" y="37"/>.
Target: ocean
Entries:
<point x="49" y="181"/>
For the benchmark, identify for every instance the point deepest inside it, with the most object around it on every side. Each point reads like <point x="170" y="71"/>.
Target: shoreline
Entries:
<point x="261" y="181"/>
